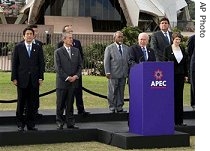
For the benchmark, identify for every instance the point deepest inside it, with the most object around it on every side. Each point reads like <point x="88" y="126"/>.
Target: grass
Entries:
<point x="94" y="83"/>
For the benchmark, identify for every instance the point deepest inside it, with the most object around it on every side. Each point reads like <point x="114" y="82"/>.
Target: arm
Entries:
<point x="107" y="63"/>
<point x="15" y="63"/>
<point x="58" y="66"/>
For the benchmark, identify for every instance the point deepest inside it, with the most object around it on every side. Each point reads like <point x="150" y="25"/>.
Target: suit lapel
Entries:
<point x="66" y="53"/>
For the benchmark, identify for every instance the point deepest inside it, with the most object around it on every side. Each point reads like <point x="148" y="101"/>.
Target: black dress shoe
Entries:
<point x="121" y="111"/>
<point x="59" y="127"/>
<point x="32" y="129"/>
<point x="181" y="125"/>
<point x="20" y="129"/>
<point x="112" y="111"/>
<point x="38" y="115"/>
<point x="73" y="127"/>
<point x="84" y="113"/>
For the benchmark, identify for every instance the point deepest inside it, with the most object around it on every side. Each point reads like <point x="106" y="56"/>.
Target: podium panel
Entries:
<point x="151" y="108"/>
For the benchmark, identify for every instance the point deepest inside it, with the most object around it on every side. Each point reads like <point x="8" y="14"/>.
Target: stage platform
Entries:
<point x="100" y="125"/>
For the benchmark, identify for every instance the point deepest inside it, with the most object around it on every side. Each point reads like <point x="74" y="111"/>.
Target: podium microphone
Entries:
<point x="164" y="58"/>
<point x="140" y="59"/>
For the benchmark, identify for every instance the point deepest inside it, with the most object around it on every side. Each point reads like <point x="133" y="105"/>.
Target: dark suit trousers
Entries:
<point x="64" y="102"/>
<point x="192" y="88"/>
<point x="178" y="98"/>
<point x="26" y="98"/>
<point x="78" y="95"/>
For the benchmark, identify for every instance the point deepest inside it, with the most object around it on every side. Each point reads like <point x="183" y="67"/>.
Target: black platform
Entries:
<point x="100" y="126"/>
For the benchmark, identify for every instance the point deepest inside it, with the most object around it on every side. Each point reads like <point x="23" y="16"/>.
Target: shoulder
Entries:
<point x="20" y="44"/>
<point x="150" y="49"/>
<point x="169" y="47"/>
<point x="76" y="41"/>
<point x="135" y="46"/>
<point x="74" y="49"/>
<point x="36" y="46"/>
<point x="125" y="46"/>
<point x="157" y="33"/>
<point x="111" y="45"/>
<point x="38" y="42"/>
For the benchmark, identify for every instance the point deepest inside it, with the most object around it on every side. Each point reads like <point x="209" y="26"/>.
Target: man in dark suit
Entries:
<point x="68" y="66"/>
<point x="38" y="42"/>
<point x="141" y="52"/>
<point x="161" y="39"/>
<point x="27" y="74"/>
<point x="191" y="52"/>
<point x="78" y="93"/>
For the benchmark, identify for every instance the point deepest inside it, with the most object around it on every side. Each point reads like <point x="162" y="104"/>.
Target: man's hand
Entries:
<point x="73" y="78"/>
<point x="15" y="82"/>
<point x="108" y="76"/>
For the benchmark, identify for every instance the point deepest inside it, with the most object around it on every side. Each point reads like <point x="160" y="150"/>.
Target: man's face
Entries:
<point x="164" y="25"/>
<point x="143" y="41"/>
<point x="119" y="38"/>
<point x="29" y="36"/>
<point x="68" y="40"/>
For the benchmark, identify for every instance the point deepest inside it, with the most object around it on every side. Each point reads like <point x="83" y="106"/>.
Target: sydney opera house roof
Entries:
<point x="133" y="13"/>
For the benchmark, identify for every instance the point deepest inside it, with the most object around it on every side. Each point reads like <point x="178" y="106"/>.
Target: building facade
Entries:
<point x="101" y="15"/>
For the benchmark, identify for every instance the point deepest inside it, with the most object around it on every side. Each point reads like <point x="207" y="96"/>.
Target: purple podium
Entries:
<point x="151" y="108"/>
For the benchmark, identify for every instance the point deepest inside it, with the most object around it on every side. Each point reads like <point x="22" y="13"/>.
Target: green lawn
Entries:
<point x="96" y="84"/>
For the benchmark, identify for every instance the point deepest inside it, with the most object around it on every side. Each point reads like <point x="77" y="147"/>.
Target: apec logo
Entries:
<point x="158" y="82"/>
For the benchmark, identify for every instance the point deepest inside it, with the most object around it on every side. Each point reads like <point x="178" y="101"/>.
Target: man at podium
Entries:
<point x="141" y="52"/>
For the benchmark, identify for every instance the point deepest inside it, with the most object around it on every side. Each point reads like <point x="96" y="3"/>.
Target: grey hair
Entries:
<point x="143" y="34"/>
<point x="65" y="34"/>
<point x="116" y="33"/>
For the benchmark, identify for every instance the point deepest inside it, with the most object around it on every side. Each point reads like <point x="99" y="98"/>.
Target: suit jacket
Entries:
<point x="66" y="66"/>
<point x="38" y="42"/>
<point x="76" y="44"/>
<point x="115" y="63"/>
<point x="24" y="67"/>
<point x="158" y="43"/>
<point x="179" y="68"/>
<point x="191" y="52"/>
<point x="136" y="54"/>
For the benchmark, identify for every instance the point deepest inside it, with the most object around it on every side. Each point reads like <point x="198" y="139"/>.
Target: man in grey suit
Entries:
<point x="116" y="69"/>
<point x="68" y="66"/>
<point x="161" y="39"/>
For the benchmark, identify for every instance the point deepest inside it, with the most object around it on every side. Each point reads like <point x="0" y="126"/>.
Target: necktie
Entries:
<point x="29" y="50"/>
<point x="145" y="53"/>
<point x="166" y="37"/>
<point x="69" y="51"/>
<point x="120" y="49"/>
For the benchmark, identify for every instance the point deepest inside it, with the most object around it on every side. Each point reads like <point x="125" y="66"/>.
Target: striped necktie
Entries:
<point x="166" y="37"/>
<point x="120" y="49"/>
<point x="69" y="51"/>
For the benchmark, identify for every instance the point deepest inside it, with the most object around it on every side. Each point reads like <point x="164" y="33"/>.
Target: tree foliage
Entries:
<point x="131" y="35"/>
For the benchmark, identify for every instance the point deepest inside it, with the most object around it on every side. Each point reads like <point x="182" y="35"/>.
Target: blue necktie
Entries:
<point x="29" y="50"/>
<point x="166" y="37"/>
<point x="145" y="53"/>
